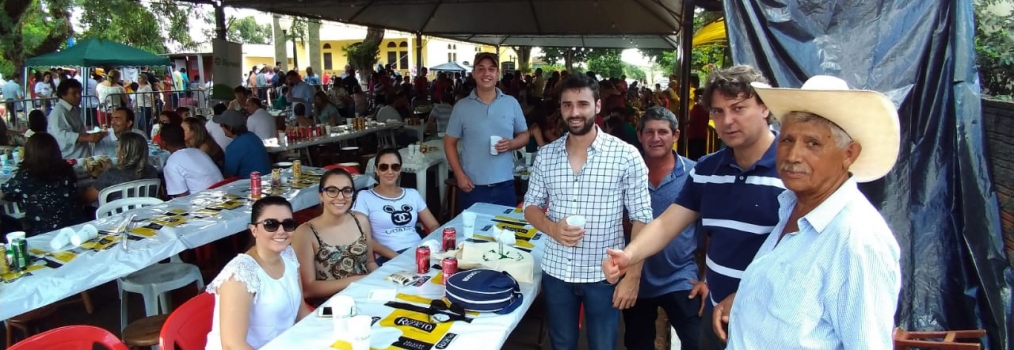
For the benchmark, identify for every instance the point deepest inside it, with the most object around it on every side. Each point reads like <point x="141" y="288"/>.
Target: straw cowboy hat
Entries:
<point x="869" y="117"/>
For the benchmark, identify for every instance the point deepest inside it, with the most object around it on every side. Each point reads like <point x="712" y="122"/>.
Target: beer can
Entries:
<point x="449" y="267"/>
<point x="422" y="259"/>
<point x="449" y="239"/>
<point x="20" y="247"/>
<point x="297" y="169"/>
<point x="3" y="259"/>
<point x="255" y="184"/>
<point x="276" y="177"/>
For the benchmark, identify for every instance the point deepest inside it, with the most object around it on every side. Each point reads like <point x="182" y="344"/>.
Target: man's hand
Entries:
<point x="504" y="145"/>
<point x="625" y="294"/>
<point x="615" y="264"/>
<point x="720" y="317"/>
<point x="464" y="183"/>
<point x="566" y="234"/>
<point x="700" y="289"/>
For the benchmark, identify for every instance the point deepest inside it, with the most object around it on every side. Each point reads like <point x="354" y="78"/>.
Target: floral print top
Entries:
<point x="335" y="262"/>
<point x="47" y="206"/>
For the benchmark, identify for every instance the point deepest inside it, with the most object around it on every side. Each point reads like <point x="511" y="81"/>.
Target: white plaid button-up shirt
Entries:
<point x="613" y="177"/>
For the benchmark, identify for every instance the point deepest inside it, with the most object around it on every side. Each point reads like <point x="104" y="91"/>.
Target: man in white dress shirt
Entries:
<point x="828" y="276"/>
<point x="259" y="121"/>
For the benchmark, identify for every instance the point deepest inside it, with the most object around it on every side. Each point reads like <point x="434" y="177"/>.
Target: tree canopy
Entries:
<point x="994" y="49"/>
<point x="30" y="28"/>
<point x="244" y="30"/>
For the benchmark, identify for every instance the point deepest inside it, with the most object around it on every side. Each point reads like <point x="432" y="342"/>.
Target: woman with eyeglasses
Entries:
<point x="393" y="210"/>
<point x="334" y="247"/>
<point x="257" y="294"/>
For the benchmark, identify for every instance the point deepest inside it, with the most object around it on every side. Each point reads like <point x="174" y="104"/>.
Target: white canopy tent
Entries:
<point x="646" y="24"/>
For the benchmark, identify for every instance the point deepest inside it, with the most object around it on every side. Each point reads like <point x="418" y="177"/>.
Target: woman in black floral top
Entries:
<point x="46" y="187"/>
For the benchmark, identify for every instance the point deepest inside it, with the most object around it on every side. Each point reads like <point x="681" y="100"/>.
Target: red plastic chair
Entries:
<point x="349" y="169"/>
<point x="188" y="326"/>
<point x="71" y="338"/>
<point x="223" y="182"/>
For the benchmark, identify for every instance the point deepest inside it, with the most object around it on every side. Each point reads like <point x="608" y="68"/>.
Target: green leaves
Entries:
<point x="994" y="49"/>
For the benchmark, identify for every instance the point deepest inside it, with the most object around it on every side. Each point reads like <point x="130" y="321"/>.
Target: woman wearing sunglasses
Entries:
<point x="393" y="211"/>
<point x="334" y="247"/>
<point x="257" y="294"/>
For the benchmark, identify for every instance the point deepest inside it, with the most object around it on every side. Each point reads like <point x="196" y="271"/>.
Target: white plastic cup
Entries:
<point x="359" y="331"/>
<point x="3" y="157"/>
<point x="61" y="239"/>
<point x="342" y="309"/>
<point x="11" y="237"/>
<point x="492" y="144"/>
<point x="90" y="230"/>
<point x="576" y="220"/>
<point x="468" y="218"/>
<point x="77" y="238"/>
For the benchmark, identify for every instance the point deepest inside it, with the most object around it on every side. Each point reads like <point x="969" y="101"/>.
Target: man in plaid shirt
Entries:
<point x="594" y="175"/>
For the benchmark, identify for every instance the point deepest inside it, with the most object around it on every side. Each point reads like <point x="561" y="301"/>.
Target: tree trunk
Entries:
<point x="11" y="31"/>
<point x="524" y="58"/>
<point x="374" y="35"/>
<point x="568" y="60"/>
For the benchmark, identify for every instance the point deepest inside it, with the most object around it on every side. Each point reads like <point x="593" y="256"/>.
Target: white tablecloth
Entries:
<point x="487" y="331"/>
<point x="274" y="145"/>
<point x="91" y="268"/>
<point x="419" y="165"/>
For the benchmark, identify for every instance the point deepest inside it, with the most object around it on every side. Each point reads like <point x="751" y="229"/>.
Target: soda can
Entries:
<point x="449" y="267"/>
<point x="449" y="239"/>
<point x="255" y="184"/>
<point x="422" y="259"/>
<point x="12" y="262"/>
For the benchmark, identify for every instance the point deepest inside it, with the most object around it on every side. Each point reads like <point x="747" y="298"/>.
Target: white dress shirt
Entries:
<point x="833" y="284"/>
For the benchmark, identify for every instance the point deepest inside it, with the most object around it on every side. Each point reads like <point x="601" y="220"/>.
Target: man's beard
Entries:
<point x="581" y="130"/>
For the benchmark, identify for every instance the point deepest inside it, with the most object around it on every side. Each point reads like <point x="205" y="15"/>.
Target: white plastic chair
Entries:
<point x="121" y="205"/>
<point x="12" y="209"/>
<point x="153" y="282"/>
<point x="132" y="189"/>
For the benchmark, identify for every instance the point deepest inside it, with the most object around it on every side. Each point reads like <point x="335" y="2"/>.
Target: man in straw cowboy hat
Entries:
<point x="828" y="276"/>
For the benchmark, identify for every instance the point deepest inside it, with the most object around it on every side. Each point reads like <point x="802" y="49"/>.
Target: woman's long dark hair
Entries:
<point x="43" y="160"/>
<point x="338" y="172"/>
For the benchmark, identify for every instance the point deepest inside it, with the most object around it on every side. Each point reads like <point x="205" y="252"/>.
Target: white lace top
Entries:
<point x="275" y="304"/>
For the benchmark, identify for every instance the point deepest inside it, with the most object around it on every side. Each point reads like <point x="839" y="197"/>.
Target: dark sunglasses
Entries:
<point x="394" y="167"/>
<point x="271" y="225"/>
<point x="333" y="191"/>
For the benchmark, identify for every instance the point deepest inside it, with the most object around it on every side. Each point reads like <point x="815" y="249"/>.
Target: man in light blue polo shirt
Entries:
<point x="669" y="279"/>
<point x="486" y="112"/>
<point x="734" y="192"/>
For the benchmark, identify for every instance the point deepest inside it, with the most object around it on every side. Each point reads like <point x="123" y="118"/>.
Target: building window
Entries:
<point x="455" y="57"/>
<point x="403" y="55"/>
<point x="450" y="57"/>
<point x="327" y="46"/>
<point x="327" y="61"/>
<point x="392" y="57"/>
<point x="391" y="44"/>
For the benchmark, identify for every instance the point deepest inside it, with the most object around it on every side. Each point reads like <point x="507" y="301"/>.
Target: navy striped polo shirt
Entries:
<point x="738" y="207"/>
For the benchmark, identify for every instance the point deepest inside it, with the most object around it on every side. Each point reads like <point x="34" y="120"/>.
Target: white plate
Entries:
<point x="283" y="164"/>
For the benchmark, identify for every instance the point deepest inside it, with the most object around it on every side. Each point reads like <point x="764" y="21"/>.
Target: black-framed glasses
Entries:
<point x="394" y="167"/>
<point x="333" y="191"/>
<point x="271" y="225"/>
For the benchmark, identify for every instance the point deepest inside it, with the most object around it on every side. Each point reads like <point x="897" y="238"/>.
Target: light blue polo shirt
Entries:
<point x="473" y="122"/>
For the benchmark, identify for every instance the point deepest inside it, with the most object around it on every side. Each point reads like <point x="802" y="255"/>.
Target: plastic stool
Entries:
<point x="154" y="282"/>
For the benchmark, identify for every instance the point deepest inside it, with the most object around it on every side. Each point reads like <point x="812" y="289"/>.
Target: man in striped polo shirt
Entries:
<point x="734" y="192"/>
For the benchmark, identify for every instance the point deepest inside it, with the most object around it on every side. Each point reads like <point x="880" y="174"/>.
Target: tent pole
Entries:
<point x="24" y="80"/>
<point x="686" y="45"/>
<point x="418" y="54"/>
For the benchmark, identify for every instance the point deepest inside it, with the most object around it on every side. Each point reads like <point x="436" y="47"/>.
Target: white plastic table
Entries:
<point x="419" y="165"/>
<point x="91" y="269"/>
<point x="486" y="331"/>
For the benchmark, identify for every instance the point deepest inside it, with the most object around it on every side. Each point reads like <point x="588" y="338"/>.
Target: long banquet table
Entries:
<point x="486" y="331"/>
<point x="54" y="281"/>
<point x="274" y="145"/>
